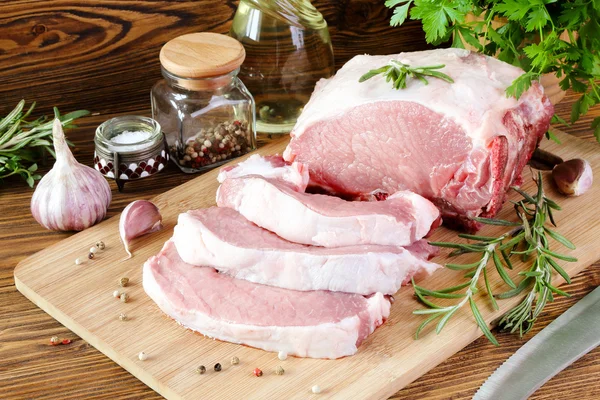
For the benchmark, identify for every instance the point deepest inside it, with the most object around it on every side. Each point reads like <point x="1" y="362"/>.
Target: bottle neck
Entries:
<point x="199" y="84"/>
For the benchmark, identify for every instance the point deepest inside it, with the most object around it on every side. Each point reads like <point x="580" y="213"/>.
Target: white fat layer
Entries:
<point x="295" y="173"/>
<point x="476" y="100"/>
<point x="327" y="340"/>
<point x="362" y="273"/>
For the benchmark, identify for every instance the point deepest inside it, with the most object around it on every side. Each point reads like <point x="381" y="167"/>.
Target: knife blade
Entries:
<point x="564" y="340"/>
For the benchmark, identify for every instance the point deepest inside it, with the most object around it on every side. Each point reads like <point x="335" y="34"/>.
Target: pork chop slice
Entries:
<point x="316" y="324"/>
<point x="329" y="221"/>
<point x="223" y="239"/>
<point x="273" y="167"/>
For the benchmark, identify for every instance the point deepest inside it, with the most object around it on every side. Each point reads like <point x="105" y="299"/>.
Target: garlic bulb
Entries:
<point x="71" y="196"/>
<point x="573" y="177"/>
<point x="138" y="218"/>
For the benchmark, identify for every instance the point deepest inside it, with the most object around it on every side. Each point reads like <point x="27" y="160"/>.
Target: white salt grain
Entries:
<point x="133" y="139"/>
<point x="129" y="137"/>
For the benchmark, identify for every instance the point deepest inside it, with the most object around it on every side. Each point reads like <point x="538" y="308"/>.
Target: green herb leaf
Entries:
<point x="397" y="72"/>
<point x="400" y="12"/>
<point x="481" y="322"/>
<point x="23" y="142"/>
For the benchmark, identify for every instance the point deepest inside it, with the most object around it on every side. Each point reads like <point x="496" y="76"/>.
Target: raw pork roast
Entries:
<point x="458" y="144"/>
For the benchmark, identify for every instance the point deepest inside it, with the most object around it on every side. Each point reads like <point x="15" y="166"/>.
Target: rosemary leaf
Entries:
<point x="492" y="221"/>
<point x="560" y="238"/>
<point x="481" y="322"/>
<point x="425" y="323"/>
<point x="560" y="271"/>
<point x="445" y="319"/>
<point x="559" y="256"/>
<point x="489" y="290"/>
<point x="477" y="237"/>
<point x="502" y="271"/>
<point x="459" y="267"/>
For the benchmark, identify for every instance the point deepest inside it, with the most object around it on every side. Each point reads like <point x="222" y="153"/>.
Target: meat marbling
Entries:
<point x="329" y="221"/>
<point x="223" y="239"/>
<point x="317" y="324"/>
<point x="458" y="144"/>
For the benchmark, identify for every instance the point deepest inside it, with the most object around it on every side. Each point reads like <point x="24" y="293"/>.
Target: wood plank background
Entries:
<point x="103" y="56"/>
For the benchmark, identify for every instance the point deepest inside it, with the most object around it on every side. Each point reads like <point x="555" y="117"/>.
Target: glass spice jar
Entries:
<point x="206" y="112"/>
<point x="129" y="147"/>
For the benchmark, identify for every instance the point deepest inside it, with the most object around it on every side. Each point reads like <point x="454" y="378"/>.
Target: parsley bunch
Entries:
<point x="539" y="36"/>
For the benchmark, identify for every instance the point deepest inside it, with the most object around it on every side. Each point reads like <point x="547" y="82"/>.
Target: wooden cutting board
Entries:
<point x="80" y="297"/>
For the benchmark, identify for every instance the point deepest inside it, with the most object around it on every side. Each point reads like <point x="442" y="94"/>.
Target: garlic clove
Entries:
<point x="573" y="177"/>
<point x="138" y="218"/>
<point x="71" y="196"/>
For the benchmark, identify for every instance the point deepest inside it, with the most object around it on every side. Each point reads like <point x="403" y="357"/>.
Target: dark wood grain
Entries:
<point x="103" y="56"/>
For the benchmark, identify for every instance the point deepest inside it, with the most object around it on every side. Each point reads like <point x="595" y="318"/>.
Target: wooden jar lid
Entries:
<point x="202" y="55"/>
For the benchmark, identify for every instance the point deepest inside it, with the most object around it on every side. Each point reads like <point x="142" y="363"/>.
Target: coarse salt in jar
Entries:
<point x="205" y="111"/>
<point x="129" y="147"/>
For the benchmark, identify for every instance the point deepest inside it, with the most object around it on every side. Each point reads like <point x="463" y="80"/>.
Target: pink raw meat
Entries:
<point x="316" y="324"/>
<point x="273" y="167"/>
<point x="223" y="239"/>
<point x="461" y="144"/>
<point x="329" y="221"/>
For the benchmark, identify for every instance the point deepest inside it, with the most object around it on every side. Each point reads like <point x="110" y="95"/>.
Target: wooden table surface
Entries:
<point x="31" y="368"/>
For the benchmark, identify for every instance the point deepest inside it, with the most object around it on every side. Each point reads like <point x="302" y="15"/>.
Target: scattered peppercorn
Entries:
<point x="257" y="372"/>
<point x="123" y="281"/>
<point x="279" y="370"/>
<point x="93" y="249"/>
<point x="122" y="317"/>
<point x="54" y="340"/>
<point x="217" y="367"/>
<point x="66" y="341"/>
<point x="91" y="256"/>
<point x="124" y="297"/>
<point x="142" y="356"/>
<point x="100" y="245"/>
<point x="235" y="360"/>
<point x="116" y="294"/>
<point x="201" y="370"/>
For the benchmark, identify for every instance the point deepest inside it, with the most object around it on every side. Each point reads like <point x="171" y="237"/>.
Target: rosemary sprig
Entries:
<point x="397" y="72"/>
<point x="528" y="239"/>
<point x="22" y="142"/>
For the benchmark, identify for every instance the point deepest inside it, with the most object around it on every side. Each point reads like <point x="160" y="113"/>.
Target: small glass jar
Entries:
<point x="206" y="112"/>
<point x="129" y="147"/>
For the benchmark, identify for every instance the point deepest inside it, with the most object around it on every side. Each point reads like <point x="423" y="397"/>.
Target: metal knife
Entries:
<point x="564" y="340"/>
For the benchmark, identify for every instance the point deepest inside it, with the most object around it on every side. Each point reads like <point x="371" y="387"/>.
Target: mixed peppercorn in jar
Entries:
<point x="225" y="141"/>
